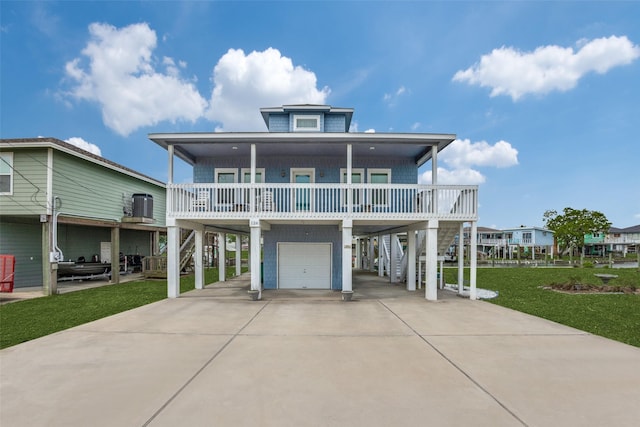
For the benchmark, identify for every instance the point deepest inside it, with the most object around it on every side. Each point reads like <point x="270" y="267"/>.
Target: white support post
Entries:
<point x="371" y="253"/>
<point x="461" y="258"/>
<point x="393" y="258"/>
<point x="173" y="261"/>
<point x="222" y="257"/>
<point x="358" y="253"/>
<point x="380" y="257"/>
<point x="473" y="257"/>
<point x="170" y="171"/>
<point x="252" y="181"/>
<point x="431" y="270"/>
<point x="197" y="259"/>
<point x="256" y="231"/>
<point x="238" y="254"/>
<point x="347" y="236"/>
<point x="411" y="260"/>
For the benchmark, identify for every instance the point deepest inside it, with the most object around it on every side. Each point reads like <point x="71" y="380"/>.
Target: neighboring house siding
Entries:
<point x="299" y="234"/>
<point x="93" y="191"/>
<point x="23" y="240"/>
<point x="29" y="184"/>
<point x="334" y="123"/>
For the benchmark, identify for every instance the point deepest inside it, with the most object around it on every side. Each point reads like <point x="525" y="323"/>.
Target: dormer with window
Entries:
<point x="307" y="118"/>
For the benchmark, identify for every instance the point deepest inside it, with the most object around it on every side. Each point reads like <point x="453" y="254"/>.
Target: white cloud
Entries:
<point x="508" y="71"/>
<point x="463" y="153"/>
<point x="244" y="83"/>
<point x="86" y="146"/>
<point x="465" y="176"/>
<point x="121" y="78"/>
<point x="370" y="131"/>
<point x="392" y="98"/>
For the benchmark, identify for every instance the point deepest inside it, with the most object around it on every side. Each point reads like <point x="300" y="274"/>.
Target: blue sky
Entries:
<point x="544" y="97"/>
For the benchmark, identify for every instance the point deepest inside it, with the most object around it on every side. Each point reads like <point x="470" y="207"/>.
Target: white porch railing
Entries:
<point x="322" y="201"/>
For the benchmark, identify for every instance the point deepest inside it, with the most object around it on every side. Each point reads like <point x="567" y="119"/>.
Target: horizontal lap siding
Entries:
<point x="23" y="240"/>
<point x="93" y="191"/>
<point x="29" y="184"/>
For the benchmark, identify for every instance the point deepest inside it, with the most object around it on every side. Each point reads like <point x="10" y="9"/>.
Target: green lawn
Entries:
<point x="615" y="316"/>
<point x="29" y="319"/>
<point x="612" y="316"/>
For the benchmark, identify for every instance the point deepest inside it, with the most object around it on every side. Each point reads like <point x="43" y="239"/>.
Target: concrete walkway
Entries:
<point x="300" y="358"/>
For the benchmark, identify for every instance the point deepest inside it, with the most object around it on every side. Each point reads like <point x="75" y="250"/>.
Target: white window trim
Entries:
<point x="372" y="171"/>
<point x="312" y="174"/>
<point x="219" y="171"/>
<point x="343" y="177"/>
<point x="246" y="193"/>
<point x="306" y="116"/>
<point x="8" y="158"/>
<point x="244" y="171"/>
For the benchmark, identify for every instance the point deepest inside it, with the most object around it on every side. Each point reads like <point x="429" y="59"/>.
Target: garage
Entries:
<point x="304" y="265"/>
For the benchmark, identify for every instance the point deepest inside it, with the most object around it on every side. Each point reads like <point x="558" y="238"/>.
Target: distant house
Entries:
<point x="623" y="240"/>
<point x="532" y="241"/>
<point x="59" y="203"/>
<point x="306" y="188"/>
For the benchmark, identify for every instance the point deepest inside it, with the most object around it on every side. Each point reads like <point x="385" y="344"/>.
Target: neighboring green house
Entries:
<point x="59" y="203"/>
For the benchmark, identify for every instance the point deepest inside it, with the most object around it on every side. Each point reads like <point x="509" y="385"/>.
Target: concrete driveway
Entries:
<point x="389" y="358"/>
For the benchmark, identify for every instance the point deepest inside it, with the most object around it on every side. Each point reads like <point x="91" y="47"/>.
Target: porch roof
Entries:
<point x="190" y="146"/>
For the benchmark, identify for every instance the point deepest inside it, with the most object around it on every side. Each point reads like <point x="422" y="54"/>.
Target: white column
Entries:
<point x="461" y="258"/>
<point x="197" y="260"/>
<point x="238" y="254"/>
<point x="347" y="235"/>
<point x="255" y="256"/>
<point x="411" y="260"/>
<point x="393" y="258"/>
<point x="173" y="261"/>
<point x="222" y="257"/>
<point x="358" y="253"/>
<point x="431" y="271"/>
<point x="380" y="257"/>
<point x="252" y="180"/>
<point x="349" y="180"/>
<point x="473" y="293"/>
<point x="170" y="171"/>
<point x="371" y="252"/>
<point x="434" y="165"/>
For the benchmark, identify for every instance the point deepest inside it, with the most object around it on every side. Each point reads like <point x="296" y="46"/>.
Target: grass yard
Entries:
<point x="26" y="320"/>
<point x="615" y="316"/>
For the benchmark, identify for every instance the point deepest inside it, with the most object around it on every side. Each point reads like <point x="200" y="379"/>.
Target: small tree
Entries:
<point x="571" y="227"/>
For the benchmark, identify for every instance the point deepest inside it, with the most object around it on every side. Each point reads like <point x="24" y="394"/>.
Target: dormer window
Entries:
<point x="306" y="123"/>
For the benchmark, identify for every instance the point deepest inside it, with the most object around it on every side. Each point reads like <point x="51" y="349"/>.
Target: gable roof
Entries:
<point x="56" y="144"/>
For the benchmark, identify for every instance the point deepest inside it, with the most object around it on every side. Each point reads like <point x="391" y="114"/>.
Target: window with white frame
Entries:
<point x="379" y="196"/>
<point x="246" y="179"/>
<point x="6" y="173"/>
<point x="357" y="177"/>
<point x="306" y="122"/>
<point x="226" y="196"/>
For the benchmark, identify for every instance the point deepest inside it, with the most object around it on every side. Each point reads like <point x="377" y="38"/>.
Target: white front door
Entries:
<point x="304" y="265"/>
<point x="302" y="197"/>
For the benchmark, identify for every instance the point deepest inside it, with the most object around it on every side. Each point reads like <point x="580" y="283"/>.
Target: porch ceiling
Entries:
<point x="191" y="146"/>
<point x="360" y="228"/>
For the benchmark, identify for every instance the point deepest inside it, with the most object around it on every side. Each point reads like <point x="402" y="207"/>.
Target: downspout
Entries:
<point x="56" y="255"/>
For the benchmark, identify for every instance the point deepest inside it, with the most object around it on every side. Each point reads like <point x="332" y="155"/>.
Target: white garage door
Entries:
<point x="304" y="265"/>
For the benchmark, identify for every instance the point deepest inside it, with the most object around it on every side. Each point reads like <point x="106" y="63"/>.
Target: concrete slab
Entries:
<point x="213" y="357"/>
<point x="331" y="381"/>
<point x="566" y="380"/>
